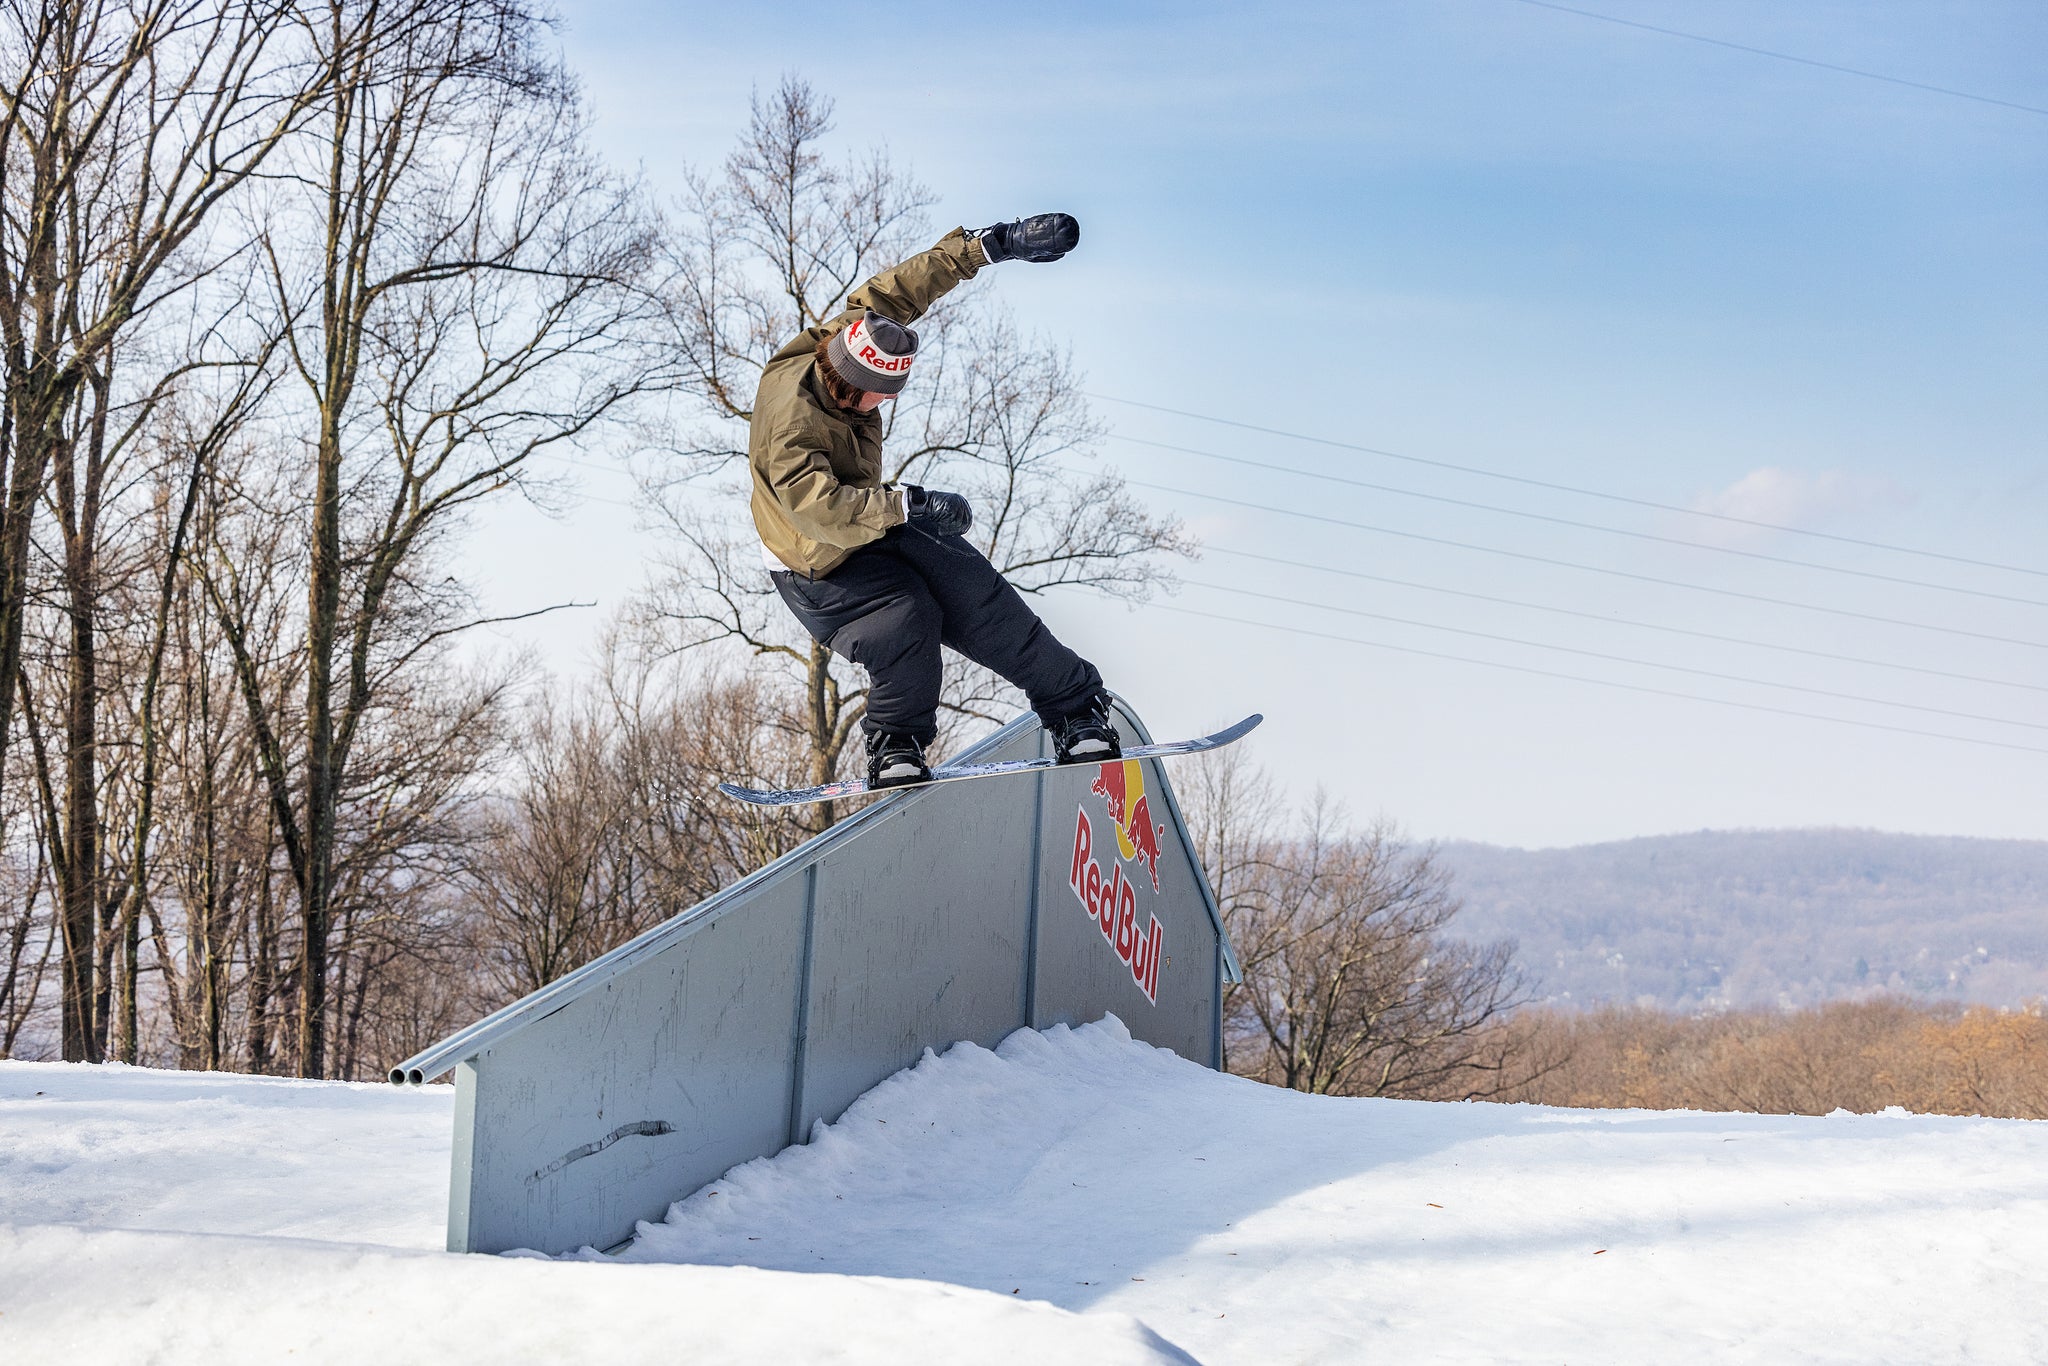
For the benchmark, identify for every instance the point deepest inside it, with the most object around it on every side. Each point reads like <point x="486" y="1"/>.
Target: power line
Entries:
<point x="1525" y="480"/>
<point x="1788" y="57"/>
<point x="1626" y="621"/>
<point x="1591" y="568"/>
<point x="1623" y="659"/>
<point x="1599" y="682"/>
<point x="1583" y="526"/>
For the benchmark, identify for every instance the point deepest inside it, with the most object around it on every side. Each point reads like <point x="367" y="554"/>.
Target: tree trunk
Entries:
<point x="826" y="723"/>
<point x="262" y="986"/>
<point x="323" y="612"/>
<point x="211" y="912"/>
<point x="129" y="921"/>
<point x="75" y="486"/>
<point x="38" y="437"/>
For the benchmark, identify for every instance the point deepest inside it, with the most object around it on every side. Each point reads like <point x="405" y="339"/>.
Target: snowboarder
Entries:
<point x="884" y="574"/>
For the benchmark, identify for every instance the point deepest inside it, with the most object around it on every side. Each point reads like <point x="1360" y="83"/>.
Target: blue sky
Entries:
<point x="1498" y="235"/>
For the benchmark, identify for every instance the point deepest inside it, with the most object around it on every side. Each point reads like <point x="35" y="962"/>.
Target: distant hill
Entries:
<point x="1769" y="917"/>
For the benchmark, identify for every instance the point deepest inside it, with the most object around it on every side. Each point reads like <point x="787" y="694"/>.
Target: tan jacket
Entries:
<point x="817" y="468"/>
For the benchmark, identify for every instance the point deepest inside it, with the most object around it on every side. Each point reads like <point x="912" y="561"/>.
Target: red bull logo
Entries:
<point x="1112" y="903"/>
<point x="1122" y="785"/>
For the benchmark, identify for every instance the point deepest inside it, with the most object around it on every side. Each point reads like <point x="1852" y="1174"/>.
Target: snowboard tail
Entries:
<point x="958" y="773"/>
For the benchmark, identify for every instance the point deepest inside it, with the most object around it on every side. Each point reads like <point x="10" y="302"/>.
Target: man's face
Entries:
<point x="869" y="402"/>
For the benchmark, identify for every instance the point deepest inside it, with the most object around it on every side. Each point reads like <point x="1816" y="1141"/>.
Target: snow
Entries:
<point x="170" y="1217"/>
<point x="209" y="1152"/>
<point x="1072" y="1196"/>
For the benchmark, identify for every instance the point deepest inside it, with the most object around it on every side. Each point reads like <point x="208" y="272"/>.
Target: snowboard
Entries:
<point x="960" y="773"/>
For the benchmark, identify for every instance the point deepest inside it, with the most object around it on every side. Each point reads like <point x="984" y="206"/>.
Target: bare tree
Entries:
<point x="256" y="761"/>
<point x="124" y="126"/>
<point x="1354" y="983"/>
<point x="1862" y="1055"/>
<point x="612" y="823"/>
<point x="468" y="300"/>
<point x="681" y="728"/>
<point x="771" y="245"/>
<point x="28" y="933"/>
<point x="545" y="878"/>
<point x="243" y="583"/>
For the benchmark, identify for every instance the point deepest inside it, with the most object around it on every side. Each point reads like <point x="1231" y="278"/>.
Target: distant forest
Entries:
<point x="1781" y="918"/>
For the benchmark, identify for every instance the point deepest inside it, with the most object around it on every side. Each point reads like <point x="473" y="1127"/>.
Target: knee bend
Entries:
<point x="898" y="636"/>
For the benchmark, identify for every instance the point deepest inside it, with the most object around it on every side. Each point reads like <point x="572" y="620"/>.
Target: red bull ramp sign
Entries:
<point x="932" y="916"/>
<point x="1111" y="897"/>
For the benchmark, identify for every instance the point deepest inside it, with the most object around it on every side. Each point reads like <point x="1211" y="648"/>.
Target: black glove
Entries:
<point x="1041" y="237"/>
<point x="941" y="514"/>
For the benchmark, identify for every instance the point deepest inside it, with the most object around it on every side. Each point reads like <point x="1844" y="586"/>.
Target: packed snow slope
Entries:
<point x="174" y="1217"/>
<point x="1052" y="1200"/>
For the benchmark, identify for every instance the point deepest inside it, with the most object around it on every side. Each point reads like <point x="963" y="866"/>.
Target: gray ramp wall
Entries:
<point x="946" y="914"/>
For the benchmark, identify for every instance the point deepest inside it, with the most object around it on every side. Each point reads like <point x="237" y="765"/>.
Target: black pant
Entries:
<point x="891" y="605"/>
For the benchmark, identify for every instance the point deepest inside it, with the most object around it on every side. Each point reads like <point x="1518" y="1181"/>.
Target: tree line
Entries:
<point x="1863" y="1056"/>
<point x="1358" y="981"/>
<point x="292" y="295"/>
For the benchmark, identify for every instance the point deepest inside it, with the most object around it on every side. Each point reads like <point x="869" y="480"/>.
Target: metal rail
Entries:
<point x="442" y="1057"/>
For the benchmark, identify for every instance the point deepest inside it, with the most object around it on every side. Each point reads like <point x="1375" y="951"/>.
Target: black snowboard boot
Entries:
<point x="1087" y="736"/>
<point x="894" y="760"/>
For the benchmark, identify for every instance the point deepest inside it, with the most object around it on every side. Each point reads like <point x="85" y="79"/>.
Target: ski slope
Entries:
<point x="1072" y="1196"/>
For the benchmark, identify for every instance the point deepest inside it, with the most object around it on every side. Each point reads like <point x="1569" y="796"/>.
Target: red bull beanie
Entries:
<point x="873" y="353"/>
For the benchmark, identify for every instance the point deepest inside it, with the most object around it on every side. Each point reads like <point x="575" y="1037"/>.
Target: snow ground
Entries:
<point x="171" y="1217"/>
<point x="1052" y="1200"/>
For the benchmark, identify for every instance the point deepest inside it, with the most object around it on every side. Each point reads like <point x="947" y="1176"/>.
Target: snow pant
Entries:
<point x="894" y="602"/>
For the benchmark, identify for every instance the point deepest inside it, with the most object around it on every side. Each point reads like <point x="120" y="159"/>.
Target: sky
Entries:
<point x="1614" y="274"/>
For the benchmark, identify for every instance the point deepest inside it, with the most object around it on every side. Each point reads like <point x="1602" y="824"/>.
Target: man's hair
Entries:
<point x="829" y="379"/>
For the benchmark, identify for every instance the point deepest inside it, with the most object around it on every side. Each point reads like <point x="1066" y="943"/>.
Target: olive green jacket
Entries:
<point x="817" y="468"/>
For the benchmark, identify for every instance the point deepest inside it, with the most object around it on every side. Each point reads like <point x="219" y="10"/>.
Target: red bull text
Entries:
<point x="1112" y="903"/>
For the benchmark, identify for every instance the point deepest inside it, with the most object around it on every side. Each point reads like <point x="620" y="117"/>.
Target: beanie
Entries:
<point x="873" y="353"/>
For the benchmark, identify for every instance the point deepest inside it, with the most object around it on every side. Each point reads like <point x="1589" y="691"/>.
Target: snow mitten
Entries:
<point x="1041" y="237"/>
<point x="941" y="514"/>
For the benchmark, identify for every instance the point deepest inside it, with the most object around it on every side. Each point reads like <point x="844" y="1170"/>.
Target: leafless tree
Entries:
<point x="28" y="934"/>
<point x="612" y="823"/>
<point x="1863" y="1055"/>
<point x="546" y="876"/>
<point x="772" y="244"/>
<point x="1354" y="983"/>
<point x="125" y="125"/>
<point x="459" y="279"/>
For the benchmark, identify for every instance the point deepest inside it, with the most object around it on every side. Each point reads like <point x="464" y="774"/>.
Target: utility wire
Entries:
<point x="1589" y="568"/>
<point x="1528" y="482"/>
<point x="1625" y="621"/>
<point x="1598" y="682"/>
<point x="1622" y="659"/>
<point x="1788" y="57"/>
<point x="1582" y="526"/>
<point x="1539" y="607"/>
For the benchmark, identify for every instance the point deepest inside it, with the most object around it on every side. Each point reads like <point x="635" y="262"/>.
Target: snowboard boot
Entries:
<point x="894" y="760"/>
<point x="1087" y="736"/>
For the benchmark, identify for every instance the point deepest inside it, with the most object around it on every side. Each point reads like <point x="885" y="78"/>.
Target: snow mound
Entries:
<point x="1253" y="1225"/>
<point x="1069" y="1196"/>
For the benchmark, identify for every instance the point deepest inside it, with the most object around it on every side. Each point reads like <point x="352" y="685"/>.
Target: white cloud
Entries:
<point x="1798" y="498"/>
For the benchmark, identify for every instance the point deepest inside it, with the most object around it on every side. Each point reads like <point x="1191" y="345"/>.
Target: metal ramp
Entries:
<point x="934" y="916"/>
